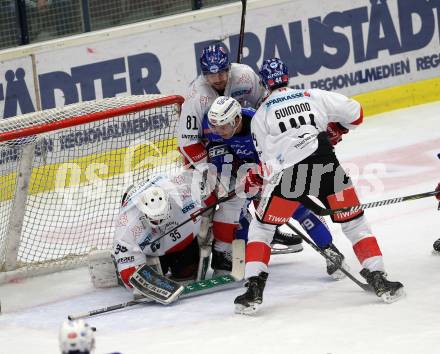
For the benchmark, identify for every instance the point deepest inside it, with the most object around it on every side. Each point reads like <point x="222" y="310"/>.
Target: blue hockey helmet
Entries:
<point x="214" y="59"/>
<point x="274" y="73"/>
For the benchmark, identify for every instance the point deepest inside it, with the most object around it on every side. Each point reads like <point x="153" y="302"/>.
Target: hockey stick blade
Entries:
<point x="192" y="289"/>
<point x="362" y="285"/>
<point x="318" y="210"/>
<point x="277" y="251"/>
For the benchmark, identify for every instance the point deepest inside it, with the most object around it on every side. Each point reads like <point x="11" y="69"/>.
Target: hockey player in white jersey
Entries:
<point x="152" y="210"/>
<point x="290" y="135"/>
<point x="227" y="127"/>
<point x="219" y="77"/>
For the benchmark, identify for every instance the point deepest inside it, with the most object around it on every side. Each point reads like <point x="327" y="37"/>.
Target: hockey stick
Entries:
<point x="192" y="289"/>
<point x="205" y="245"/>
<point x="438" y="207"/>
<point x="241" y="38"/>
<point x="195" y="215"/>
<point x="318" y="210"/>
<point x="364" y="286"/>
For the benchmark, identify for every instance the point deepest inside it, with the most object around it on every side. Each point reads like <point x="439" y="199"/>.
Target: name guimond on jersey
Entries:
<point x="290" y="110"/>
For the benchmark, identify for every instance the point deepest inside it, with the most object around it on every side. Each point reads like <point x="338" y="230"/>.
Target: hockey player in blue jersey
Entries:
<point x="227" y="132"/>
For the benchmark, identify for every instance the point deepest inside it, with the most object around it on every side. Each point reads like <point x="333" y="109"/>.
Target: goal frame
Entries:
<point x="10" y="272"/>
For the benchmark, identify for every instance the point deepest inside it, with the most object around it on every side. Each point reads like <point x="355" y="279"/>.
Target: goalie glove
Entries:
<point x="335" y="132"/>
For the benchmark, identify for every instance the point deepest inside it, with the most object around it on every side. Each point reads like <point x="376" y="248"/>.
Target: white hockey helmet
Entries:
<point x="154" y="203"/>
<point x="223" y="111"/>
<point x="76" y="337"/>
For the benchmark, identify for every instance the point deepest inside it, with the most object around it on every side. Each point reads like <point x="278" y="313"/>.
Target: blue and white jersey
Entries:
<point x="240" y="145"/>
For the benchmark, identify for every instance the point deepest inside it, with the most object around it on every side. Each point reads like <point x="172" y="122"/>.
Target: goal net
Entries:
<point x="64" y="171"/>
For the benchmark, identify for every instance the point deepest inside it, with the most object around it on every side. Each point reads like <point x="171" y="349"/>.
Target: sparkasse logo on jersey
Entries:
<point x="283" y="98"/>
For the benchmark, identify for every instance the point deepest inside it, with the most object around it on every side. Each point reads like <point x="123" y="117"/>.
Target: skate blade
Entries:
<point x="247" y="310"/>
<point x="282" y="249"/>
<point x="388" y="298"/>
<point x="338" y="274"/>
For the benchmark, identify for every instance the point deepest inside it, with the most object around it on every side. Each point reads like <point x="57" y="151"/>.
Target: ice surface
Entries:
<point x="304" y="311"/>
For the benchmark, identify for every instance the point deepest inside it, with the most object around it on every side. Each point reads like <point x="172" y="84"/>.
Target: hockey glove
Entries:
<point x="252" y="180"/>
<point x="335" y="132"/>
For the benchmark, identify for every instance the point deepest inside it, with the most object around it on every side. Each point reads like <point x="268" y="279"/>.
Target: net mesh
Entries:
<point x="80" y="172"/>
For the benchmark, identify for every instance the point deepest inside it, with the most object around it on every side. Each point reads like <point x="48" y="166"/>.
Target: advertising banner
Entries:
<point x="349" y="46"/>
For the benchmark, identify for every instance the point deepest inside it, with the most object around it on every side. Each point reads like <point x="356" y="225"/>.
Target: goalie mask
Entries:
<point x="224" y="116"/>
<point x="154" y="203"/>
<point x="76" y="337"/>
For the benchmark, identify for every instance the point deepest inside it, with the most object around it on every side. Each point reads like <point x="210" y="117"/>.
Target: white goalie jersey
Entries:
<point x="136" y="238"/>
<point x="243" y="85"/>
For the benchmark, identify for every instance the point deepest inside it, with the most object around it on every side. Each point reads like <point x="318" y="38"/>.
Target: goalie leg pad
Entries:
<point x="102" y="269"/>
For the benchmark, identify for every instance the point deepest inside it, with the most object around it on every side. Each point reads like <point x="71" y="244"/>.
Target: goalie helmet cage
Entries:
<point x="64" y="171"/>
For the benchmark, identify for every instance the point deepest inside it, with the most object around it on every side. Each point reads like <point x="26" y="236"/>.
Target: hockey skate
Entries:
<point x="338" y="261"/>
<point x="389" y="291"/>
<point x="436" y="248"/>
<point x="250" y="301"/>
<point x="284" y="242"/>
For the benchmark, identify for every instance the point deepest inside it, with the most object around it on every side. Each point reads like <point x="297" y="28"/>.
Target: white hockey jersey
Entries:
<point x="285" y="128"/>
<point x="135" y="238"/>
<point x="243" y="85"/>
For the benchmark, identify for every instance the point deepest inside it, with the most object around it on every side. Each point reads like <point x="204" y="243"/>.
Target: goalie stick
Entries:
<point x="192" y="289"/>
<point x="318" y="210"/>
<point x="362" y="285"/>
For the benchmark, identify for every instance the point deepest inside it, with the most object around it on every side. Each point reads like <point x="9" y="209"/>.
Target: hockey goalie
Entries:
<point x="156" y="230"/>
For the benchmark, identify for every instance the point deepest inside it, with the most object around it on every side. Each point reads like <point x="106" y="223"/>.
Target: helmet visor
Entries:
<point x="227" y="130"/>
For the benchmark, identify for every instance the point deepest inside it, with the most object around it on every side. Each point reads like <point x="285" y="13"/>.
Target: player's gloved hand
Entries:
<point x="335" y="132"/>
<point x="438" y="190"/>
<point x="252" y="180"/>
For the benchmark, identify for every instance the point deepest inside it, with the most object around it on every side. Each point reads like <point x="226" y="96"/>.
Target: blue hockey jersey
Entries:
<point x="240" y="145"/>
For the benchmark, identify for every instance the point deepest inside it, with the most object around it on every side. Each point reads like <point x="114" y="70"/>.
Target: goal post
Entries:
<point x="63" y="172"/>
